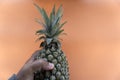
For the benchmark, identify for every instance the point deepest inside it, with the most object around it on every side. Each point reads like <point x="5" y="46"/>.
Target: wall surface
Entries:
<point x="92" y="45"/>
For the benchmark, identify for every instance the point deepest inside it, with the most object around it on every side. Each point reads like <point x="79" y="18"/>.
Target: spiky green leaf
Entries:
<point x="52" y="15"/>
<point x="57" y="27"/>
<point x="58" y="33"/>
<point x="42" y="37"/>
<point x="46" y="18"/>
<point x="62" y="25"/>
<point x="58" y="16"/>
<point x="39" y="9"/>
<point x="54" y="29"/>
<point x="41" y="32"/>
<point x="53" y="10"/>
<point x="55" y="21"/>
<point x="51" y="18"/>
<point x="44" y="14"/>
<point x="40" y="22"/>
<point x="59" y="12"/>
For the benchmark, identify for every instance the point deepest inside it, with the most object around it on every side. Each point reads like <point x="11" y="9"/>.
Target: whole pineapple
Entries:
<point x="51" y="47"/>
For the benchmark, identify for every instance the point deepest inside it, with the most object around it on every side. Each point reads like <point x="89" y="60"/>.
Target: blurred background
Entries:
<point x="92" y="44"/>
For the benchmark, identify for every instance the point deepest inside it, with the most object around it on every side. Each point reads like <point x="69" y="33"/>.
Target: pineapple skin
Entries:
<point x="58" y="58"/>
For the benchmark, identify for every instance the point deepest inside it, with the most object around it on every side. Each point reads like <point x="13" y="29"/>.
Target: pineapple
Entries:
<point x="51" y="46"/>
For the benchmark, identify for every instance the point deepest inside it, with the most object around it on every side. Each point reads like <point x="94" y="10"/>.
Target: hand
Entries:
<point x="26" y="72"/>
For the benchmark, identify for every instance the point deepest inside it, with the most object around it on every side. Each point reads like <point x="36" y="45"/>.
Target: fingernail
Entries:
<point x="51" y="66"/>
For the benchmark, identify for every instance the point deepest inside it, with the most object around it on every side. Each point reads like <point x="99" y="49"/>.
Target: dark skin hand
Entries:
<point x="26" y="72"/>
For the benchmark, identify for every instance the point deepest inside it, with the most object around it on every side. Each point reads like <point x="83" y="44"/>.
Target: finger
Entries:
<point x="41" y="65"/>
<point x="36" y="53"/>
<point x="31" y="59"/>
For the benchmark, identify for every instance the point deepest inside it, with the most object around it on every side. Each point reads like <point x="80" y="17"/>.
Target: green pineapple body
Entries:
<point x="58" y="58"/>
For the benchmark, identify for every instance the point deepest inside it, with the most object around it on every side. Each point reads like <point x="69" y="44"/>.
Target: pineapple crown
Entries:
<point x="52" y="27"/>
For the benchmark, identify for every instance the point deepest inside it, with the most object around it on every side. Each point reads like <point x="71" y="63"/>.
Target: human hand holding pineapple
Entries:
<point x="50" y="50"/>
<point x="26" y="73"/>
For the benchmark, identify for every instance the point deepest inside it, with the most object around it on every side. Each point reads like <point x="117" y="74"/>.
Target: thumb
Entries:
<point x="42" y="65"/>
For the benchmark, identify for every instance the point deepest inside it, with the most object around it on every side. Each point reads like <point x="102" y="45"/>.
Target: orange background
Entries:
<point x="92" y="45"/>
